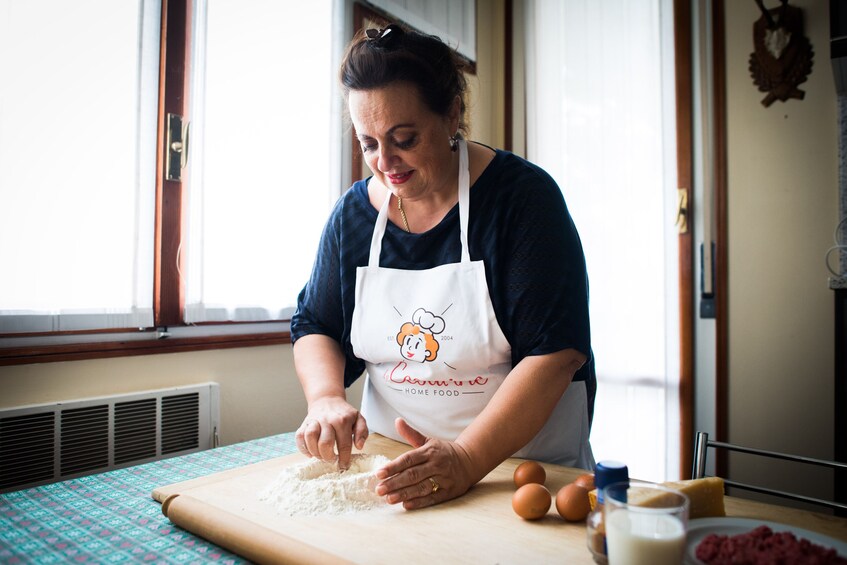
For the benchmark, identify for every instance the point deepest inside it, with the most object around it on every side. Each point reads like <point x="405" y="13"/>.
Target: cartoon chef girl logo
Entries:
<point x="417" y="338"/>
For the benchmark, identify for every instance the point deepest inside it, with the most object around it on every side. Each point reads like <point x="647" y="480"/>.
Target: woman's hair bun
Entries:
<point x="385" y="38"/>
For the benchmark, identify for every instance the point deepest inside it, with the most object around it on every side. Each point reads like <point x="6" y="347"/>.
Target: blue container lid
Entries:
<point x="608" y="472"/>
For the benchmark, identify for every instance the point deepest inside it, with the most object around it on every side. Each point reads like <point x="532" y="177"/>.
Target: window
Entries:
<point x="87" y="241"/>
<point x="77" y="164"/>
<point x="601" y="76"/>
<point x="264" y="167"/>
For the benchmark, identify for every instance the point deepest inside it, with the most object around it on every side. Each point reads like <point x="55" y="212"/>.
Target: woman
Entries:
<point x="456" y="277"/>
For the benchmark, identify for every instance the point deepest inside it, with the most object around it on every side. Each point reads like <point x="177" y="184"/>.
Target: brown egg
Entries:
<point x="586" y="481"/>
<point x="572" y="503"/>
<point x="531" y="501"/>
<point x="529" y="472"/>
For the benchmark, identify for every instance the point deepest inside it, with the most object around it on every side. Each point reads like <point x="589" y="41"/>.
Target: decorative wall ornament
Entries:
<point x="782" y="56"/>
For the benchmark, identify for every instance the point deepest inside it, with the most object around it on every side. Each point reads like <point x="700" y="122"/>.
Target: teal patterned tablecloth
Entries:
<point x="111" y="517"/>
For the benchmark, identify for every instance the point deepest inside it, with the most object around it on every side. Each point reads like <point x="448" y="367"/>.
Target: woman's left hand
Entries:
<point x="432" y="472"/>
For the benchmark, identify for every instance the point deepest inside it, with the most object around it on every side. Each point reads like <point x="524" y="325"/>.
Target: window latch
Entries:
<point x="176" y="149"/>
<point x="682" y="210"/>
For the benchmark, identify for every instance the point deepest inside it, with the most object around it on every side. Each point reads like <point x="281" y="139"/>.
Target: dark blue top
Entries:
<point x="518" y="225"/>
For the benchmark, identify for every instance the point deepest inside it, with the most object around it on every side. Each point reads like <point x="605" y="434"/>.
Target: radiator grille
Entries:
<point x="28" y="444"/>
<point x="45" y="443"/>
<point x="85" y="439"/>
<point x="179" y="423"/>
<point x="135" y="430"/>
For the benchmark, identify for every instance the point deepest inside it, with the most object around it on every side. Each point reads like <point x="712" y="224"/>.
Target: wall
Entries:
<point x="260" y="393"/>
<point x="486" y="88"/>
<point x="783" y="208"/>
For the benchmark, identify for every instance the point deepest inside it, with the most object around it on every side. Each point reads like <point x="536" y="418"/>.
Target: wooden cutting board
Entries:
<point x="479" y="527"/>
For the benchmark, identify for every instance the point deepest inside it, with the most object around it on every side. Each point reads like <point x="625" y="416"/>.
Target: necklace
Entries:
<point x="403" y="214"/>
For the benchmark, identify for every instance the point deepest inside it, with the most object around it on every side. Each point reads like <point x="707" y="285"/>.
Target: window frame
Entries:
<point x="174" y="98"/>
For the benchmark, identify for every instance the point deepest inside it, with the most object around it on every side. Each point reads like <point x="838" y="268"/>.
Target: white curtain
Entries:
<point x="265" y="155"/>
<point x="600" y="116"/>
<point x="77" y="164"/>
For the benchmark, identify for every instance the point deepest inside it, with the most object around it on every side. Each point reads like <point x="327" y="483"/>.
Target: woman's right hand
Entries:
<point x="331" y="428"/>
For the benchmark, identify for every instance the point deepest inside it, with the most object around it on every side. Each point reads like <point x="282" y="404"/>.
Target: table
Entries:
<point x="111" y="517"/>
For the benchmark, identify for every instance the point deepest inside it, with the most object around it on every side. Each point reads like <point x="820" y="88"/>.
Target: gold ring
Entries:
<point x="435" y="485"/>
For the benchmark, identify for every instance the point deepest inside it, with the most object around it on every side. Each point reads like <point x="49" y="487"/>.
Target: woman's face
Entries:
<point x="405" y="144"/>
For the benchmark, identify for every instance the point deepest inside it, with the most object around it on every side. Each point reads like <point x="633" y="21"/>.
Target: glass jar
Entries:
<point x="605" y="473"/>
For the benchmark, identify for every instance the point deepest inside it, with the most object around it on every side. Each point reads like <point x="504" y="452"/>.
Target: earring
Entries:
<point x="454" y="142"/>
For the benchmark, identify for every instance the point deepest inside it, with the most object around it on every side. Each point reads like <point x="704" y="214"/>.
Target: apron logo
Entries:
<point x="418" y="343"/>
<point x="417" y="338"/>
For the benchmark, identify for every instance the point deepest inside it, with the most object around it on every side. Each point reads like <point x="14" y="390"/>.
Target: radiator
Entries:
<point x="49" y="442"/>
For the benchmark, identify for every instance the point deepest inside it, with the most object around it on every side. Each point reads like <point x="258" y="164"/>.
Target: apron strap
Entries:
<point x="379" y="231"/>
<point x="464" y="206"/>
<point x="464" y="199"/>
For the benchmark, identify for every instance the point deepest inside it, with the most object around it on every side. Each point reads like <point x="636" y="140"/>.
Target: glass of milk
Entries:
<point x="645" y="524"/>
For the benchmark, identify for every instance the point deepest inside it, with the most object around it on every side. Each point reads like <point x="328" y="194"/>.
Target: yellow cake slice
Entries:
<point x="705" y="496"/>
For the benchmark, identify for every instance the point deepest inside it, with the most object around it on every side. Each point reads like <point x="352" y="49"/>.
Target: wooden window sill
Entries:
<point x="149" y="344"/>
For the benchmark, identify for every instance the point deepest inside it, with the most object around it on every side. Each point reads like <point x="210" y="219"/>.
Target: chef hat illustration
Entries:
<point x="428" y="321"/>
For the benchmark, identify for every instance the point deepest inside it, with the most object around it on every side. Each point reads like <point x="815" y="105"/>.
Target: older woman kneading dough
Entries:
<point x="454" y="278"/>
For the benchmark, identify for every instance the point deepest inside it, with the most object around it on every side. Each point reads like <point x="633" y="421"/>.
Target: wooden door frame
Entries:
<point x="721" y="232"/>
<point x="684" y="51"/>
<point x="685" y="183"/>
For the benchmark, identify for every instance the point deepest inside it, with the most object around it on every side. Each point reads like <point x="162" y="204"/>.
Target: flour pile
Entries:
<point x="317" y="487"/>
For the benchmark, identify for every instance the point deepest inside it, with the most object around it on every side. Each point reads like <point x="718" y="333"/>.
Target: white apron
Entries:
<point x="435" y="354"/>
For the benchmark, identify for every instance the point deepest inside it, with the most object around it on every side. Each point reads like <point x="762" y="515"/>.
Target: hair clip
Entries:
<point x="384" y="38"/>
